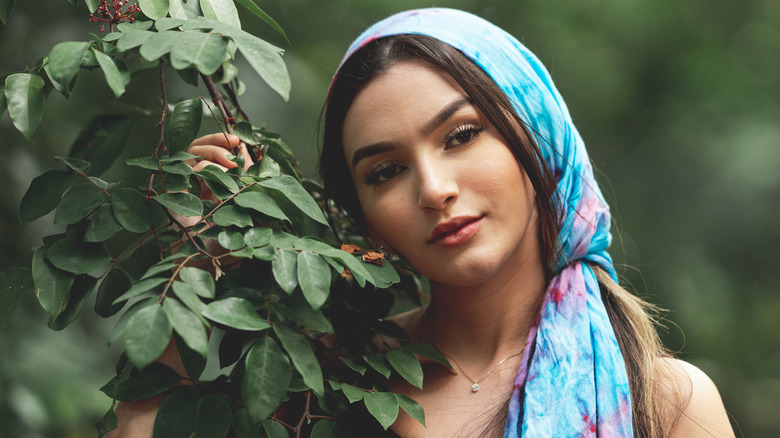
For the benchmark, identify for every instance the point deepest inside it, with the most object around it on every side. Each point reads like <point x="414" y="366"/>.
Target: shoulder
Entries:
<point x="692" y="406"/>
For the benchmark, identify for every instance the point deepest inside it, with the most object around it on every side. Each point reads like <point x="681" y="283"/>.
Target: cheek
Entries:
<point x="387" y="216"/>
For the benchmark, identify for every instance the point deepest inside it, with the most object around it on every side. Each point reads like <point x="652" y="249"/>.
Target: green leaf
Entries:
<point x="115" y="283"/>
<point x="80" y="201"/>
<point x="102" y="140"/>
<point x="184" y="9"/>
<point x="24" y="93"/>
<point x="274" y="429"/>
<point x="154" y="9"/>
<point x="213" y="417"/>
<point x="102" y="225"/>
<point x="178" y="156"/>
<point x="44" y="194"/>
<point x="14" y="283"/>
<point x="128" y="26"/>
<point x="426" y="350"/>
<point x="261" y="202"/>
<point x="354" y="365"/>
<point x="153" y="381"/>
<point x="183" y="124"/>
<point x="203" y="50"/>
<point x="285" y="269"/>
<point x="276" y="154"/>
<point x="187" y="325"/>
<point x="108" y="423"/>
<point x="353" y="394"/>
<point x="384" y="276"/>
<point x="72" y="254"/>
<point x="411" y="407"/>
<point x="231" y="240"/>
<point x="167" y="23"/>
<point x="230" y="215"/>
<point x="116" y="81"/>
<point x="75" y="164"/>
<point x="383" y="406"/>
<point x="187" y="295"/>
<point x="132" y="38"/>
<point x="79" y="292"/>
<point x="118" y="330"/>
<point x="287" y="187"/>
<point x="298" y="310"/>
<point x="136" y="213"/>
<point x="221" y="10"/>
<point x="146" y="336"/>
<point x="6" y="6"/>
<point x="253" y="8"/>
<point x="378" y="363"/>
<point x="266" y="379"/>
<point x="65" y="61"/>
<point x="176" y="416"/>
<point x="213" y="174"/>
<point x="51" y="285"/>
<point x="237" y="313"/>
<point x="92" y="5"/>
<point x="185" y="204"/>
<point x="314" y="278"/>
<point x="407" y="365"/>
<point x="158" y="45"/>
<point x="328" y="429"/>
<point x="266" y="60"/>
<point x="194" y="363"/>
<point x="201" y="281"/>
<point x="148" y="163"/>
<point x="140" y="288"/>
<point x="302" y="355"/>
<point x="178" y="168"/>
<point x="258" y="236"/>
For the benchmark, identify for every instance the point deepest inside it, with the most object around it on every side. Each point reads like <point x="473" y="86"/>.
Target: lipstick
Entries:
<point x="456" y="231"/>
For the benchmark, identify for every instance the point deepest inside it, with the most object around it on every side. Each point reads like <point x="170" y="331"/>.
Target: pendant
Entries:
<point x="475" y="387"/>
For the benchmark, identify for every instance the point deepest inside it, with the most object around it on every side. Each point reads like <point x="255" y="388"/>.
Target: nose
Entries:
<point x="438" y="185"/>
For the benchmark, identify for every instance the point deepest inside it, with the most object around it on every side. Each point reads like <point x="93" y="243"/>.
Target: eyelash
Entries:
<point x="376" y="173"/>
<point x="472" y="129"/>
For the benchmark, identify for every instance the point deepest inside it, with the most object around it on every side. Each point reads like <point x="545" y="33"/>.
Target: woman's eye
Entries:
<point x="384" y="172"/>
<point x="462" y="135"/>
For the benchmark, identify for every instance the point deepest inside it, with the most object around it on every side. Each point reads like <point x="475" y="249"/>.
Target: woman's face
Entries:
<point x="435" y="180"/>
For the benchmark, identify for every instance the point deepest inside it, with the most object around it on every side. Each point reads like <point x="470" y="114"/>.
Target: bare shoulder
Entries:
<point x="694" y="407"/>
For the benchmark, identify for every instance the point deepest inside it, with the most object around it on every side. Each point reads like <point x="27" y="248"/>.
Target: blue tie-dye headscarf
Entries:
<point x="572" y="381"/>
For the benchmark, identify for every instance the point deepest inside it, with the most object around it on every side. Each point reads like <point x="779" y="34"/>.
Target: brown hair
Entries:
<point x="629" y="315"/>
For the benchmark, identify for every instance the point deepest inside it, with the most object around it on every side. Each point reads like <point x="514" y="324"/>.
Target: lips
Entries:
<point x="455" y="231"/>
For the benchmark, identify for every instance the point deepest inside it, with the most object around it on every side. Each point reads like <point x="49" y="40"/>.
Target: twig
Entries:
<point x="161" y="124"/>
<point x="305" y="416"/>
<point x="216" y="97"/>
<point x="233" y="98"/>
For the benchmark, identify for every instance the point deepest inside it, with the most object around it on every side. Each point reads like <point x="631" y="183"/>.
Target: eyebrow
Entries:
<point x="436" y="121"/>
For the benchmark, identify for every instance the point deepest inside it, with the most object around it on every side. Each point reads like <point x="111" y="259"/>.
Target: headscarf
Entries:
<point x="572" y="381"/>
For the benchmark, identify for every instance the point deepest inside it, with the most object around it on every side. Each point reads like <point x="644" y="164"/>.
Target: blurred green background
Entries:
<point x="678" y="102"/>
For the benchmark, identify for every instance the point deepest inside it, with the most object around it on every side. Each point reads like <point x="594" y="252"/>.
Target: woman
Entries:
<point x="446" y="140"/>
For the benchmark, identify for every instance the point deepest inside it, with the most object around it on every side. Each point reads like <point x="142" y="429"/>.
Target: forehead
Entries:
<point x="396" y="103"/>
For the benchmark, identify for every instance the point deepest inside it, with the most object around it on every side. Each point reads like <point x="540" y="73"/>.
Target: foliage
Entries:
<point x="189" y="255"/>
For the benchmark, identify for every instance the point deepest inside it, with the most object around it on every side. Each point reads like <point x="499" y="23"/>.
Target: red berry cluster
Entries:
<point x="113" y="13"/>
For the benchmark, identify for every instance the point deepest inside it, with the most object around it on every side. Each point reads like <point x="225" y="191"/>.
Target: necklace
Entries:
<point x="475" y="383"/>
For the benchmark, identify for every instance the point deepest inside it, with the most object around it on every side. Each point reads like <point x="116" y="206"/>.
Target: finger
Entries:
<point x="225" y="141"/>
<point x="213" y="154"/>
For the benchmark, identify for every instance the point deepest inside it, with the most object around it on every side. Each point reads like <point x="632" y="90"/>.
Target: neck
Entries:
<point x="482" y="324"/>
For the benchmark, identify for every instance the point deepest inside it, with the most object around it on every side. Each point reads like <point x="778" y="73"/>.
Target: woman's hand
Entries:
<point x="213" y="149"/>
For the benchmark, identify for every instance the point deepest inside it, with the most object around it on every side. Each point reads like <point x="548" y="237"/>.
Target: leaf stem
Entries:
<point x="305" y="416"/>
